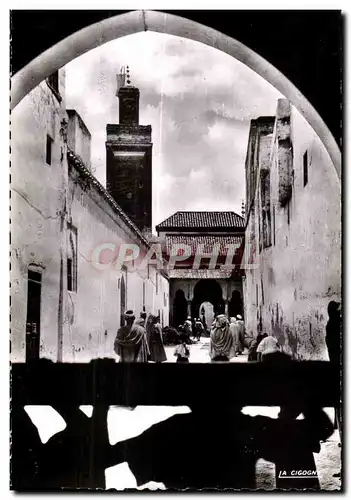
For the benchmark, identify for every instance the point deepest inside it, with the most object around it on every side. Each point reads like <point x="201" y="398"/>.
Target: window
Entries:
<point x="53" y="81"/>
<point x="305" y="168"/>
<point x="69" y="274"/>
<point x="72" y="262"/>
<point x="49" y="142"/>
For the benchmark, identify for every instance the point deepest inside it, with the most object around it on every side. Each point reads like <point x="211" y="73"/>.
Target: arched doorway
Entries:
<point x="235" y="304"/>
<point x="128" y="23"/>
<point x="207" y="290"/>
<point x="179" y="308"/>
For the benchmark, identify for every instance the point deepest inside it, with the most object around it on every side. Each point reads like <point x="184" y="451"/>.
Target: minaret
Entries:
<point x="129" y="156"/>
<point x="128" y="100"/>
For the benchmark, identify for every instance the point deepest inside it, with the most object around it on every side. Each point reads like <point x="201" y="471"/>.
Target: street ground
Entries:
<point x="199" y="353"/>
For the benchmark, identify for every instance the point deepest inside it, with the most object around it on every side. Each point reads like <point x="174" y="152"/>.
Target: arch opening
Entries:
<point x="207" y="291"/>
<point x="136" y="21"/>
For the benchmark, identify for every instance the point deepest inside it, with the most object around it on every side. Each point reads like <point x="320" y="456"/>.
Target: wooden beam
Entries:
<point x="108" y="382"/>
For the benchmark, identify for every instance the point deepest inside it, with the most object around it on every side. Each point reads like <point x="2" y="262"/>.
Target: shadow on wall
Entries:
<point x="305" y="339"/>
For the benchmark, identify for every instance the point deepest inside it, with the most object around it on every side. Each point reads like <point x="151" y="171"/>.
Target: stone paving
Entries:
<point x="199" y="353"/>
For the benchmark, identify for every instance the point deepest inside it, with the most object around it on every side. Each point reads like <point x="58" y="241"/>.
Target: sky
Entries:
<point x="199" y="102"/>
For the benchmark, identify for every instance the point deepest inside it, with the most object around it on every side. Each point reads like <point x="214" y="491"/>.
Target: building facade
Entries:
<point x="203" y="250"/>
<point x="67" y="295"/>
<point x="292" y="255"/>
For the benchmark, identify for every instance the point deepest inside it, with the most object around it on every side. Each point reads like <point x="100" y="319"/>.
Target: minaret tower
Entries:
<point x="129" y="156"/>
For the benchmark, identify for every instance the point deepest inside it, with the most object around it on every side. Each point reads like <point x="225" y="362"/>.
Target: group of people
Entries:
<point x="140" y="340"/>
<point x="227" y="339"/>
<point x="192" y="328"/>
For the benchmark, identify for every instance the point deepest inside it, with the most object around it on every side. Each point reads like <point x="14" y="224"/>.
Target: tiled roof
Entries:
<point x="208" y="241"/>
<point x="199" y="274"/>
<point x="202" y="220"/>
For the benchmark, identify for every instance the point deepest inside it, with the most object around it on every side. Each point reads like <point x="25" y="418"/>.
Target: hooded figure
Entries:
<point x="333" y="341"/>
<point x="130" y="344"/>
<point x="333" y="332"/>
<point x="199" y="329"/>
<point x="241" y="334"/>
<point x="188" y="327"/>
<point x="221" y="341"/>
<point x="142" y="320"/>
<point x="154" y="339"/>
<point x="234" y="332"/>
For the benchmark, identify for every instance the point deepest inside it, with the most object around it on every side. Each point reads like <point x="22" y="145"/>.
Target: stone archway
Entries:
<point x="207" y="290"/>
<point x="144" y="20"/>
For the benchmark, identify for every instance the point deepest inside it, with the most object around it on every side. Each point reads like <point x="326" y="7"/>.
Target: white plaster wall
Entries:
<point x="79" y="140"/>
<point x="36" y="201"/>
<point x="91" y="315"/>
<point x="301" y="273"/>
<point x="97" y="305"/>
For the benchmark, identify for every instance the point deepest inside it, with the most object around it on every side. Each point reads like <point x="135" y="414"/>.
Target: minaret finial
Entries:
<point x="121" y="79"/>
<point x="242" y="209"/>
<point x="128" y="76"/>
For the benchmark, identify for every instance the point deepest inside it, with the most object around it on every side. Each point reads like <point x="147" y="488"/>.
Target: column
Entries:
<point x="189" y="307"/>
<point x="226" y="308"/>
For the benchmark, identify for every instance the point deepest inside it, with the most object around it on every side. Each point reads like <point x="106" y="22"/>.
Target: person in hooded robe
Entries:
<point x="188" y="327"/>
<point x="131" y="345"/>
<point x="333" y="332"/>
<point x="333" y="341"/>
<point x="142" y="319"/>
<point x="241" y="334"/>
<point x="253" y="345"/>
<point x="233" y="328"/>
<point x="199" y="329"/>
<point x="155" y="340"/>
<point x="221" y="340"/>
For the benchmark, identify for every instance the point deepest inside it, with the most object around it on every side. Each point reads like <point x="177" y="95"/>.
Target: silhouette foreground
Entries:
<point x="210" y="448"/>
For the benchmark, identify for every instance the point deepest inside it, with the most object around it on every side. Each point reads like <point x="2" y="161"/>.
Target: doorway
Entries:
<point x="122" y="299"/>
<point x="179" y="308"/>
<point x="236" y="304"/>
<point x="33" y="316"/>
<point x="207" y="290"/>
